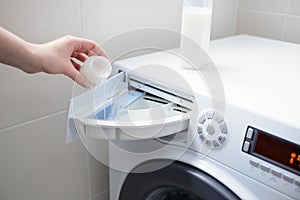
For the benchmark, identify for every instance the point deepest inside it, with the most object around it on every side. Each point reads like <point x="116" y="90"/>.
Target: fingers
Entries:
<point x="80" y="56"/>
<point x="81" y="80"/>
<point x="78" y="77"/>
<point x="84" y="51"/>
<point x="76" y="65"/>
<point x="88" y="47"/>
<point x="100" y="51"/>
<point x="81" y="49"/>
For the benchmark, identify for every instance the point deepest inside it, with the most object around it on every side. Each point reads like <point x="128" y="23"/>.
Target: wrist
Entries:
<point x="34" y="60"/>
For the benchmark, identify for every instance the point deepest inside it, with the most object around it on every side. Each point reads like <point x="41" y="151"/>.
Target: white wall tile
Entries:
<point x="224" y="18"/>
<point x="260" y="24"/>
<point x="36" y="163"/>
<point x="25" y="97"/>
<point x="98" y="173"/>
<point x="41" y="21"/>
<point x="21" y="173"/>
<point x="292" y="29"/>
<point x="294" y="7"/>
<point x="104" y="195"/>
<point x="275" y="19"/>
<point x="102" y="20"/>
<point x="278" y="6"/>
<point x="98" y="165"/>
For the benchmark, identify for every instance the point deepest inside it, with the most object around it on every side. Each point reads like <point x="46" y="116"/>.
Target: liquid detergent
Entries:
<point x="196" y="24"/>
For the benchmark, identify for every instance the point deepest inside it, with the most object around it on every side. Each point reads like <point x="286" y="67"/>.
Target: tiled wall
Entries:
<point x="122" y="26"/>
<point x="36" y="163"/>
<point x="107" y="21"/>
<point x="276" y="19"/>
<point x="224" y="18"/>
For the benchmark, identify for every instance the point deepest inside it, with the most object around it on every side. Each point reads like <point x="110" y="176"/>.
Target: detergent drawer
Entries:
<point x="129" y="109"/>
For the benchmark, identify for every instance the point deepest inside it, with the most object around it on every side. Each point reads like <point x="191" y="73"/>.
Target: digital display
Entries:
<point x="278" y="150"/>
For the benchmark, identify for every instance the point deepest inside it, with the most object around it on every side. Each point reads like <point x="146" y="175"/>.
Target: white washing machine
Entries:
<point x="228" y="131"/>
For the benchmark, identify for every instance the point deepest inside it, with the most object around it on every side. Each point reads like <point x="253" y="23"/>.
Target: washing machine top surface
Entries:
<point x="257" y="75"/>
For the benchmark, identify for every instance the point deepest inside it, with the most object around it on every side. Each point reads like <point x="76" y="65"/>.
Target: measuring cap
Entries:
<point x="96" y="69"/>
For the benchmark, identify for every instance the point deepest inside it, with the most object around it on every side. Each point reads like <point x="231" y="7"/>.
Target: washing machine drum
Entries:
<point x="175" y="181"/>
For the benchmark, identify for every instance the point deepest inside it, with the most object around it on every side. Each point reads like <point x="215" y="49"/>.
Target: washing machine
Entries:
<point x="230" y="130"/>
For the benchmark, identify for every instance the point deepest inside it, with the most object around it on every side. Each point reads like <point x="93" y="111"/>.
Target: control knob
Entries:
<point x="212" y="128"/>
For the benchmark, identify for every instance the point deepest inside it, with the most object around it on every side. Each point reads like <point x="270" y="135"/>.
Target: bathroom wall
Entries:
<point x="224" y="18"/>
<point x="276" y="19"/>
<point x="121" y="26"/>
<point x="36" y="163"/>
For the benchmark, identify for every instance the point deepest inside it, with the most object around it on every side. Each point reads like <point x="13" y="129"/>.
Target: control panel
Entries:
<point x="275" y="160"/>
<point x="272" y="149"/>
<point x="212" y="128"/>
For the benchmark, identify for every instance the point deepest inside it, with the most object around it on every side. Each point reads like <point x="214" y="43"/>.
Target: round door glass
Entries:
<point x="170" y="193"/>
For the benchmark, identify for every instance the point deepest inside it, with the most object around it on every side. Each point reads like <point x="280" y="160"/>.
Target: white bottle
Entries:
<point x="96" y="69"/>
<point x="196" y="23"/>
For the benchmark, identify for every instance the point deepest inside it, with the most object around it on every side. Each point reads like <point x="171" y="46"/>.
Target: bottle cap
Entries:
<point x="96" y="69"/>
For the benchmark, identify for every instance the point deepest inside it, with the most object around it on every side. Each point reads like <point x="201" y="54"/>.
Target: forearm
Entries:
<point x="16" y="52"/>
<point x="53" y="57"/>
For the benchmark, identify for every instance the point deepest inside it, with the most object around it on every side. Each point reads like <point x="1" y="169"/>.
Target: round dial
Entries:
<point x="212" y="128"/>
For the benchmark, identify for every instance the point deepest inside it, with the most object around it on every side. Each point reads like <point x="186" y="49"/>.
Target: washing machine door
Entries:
<point x="176" y="181"/>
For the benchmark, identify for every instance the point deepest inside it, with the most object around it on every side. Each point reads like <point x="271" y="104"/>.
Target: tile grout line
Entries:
<point x="267" y="12"/>
<point x="80" y="13"/>
<point x="285" y="20"/>
<point x="87" y="153"/>
<point x="104" y="193"/>
<point x="31" y="121"/>
<point x="88" y="175"/>
<point x="237" y="15"/>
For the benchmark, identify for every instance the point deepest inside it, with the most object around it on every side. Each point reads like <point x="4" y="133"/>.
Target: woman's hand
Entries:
<point x="55" y="57"/>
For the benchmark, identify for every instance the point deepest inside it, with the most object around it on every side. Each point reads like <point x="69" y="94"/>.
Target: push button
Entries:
<point x="297" y="182"/>
<point x="249" y="133"/>
<point x="209" y="114"/>
<point x="221" y="139"/>
<point x="202" y="119"/>
<point x="288" y="178"/>
<point x="214" y="143"/>
<point x="223" y="128"/>
<point x="254" y="163"/>
<point x="202" y="137"/>
<point x="218" y="118"/>
<point x="265" y="168"/>
<point x="276" y="173"/>
<point x="246" y="146"/>
<point x="199" y="130"/>
<point x="210" y="129"/>
<point x="208" y="142"/>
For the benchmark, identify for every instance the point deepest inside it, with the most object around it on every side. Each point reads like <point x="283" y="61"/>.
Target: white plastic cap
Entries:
<point x="96" y="69"/>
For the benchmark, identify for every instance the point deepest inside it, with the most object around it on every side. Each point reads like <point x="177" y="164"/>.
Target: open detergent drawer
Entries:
<point x="128" y="107"/>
